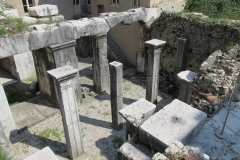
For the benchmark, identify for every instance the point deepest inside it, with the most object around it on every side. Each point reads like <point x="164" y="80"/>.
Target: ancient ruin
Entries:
<point x="86" y="99"/>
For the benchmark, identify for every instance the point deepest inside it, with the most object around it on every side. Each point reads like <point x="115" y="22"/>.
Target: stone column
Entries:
<point x="141" y="50"/>
<point x="52" y="57"/>
<point x="100" y="65"/>
<point x="185" y="91"/>
<point x="181" y="54"/>
<point x="116" y="92"/>
<point x="154" y="50"/>
<point x="6" y="117"/>
<point x="64" y="78"/>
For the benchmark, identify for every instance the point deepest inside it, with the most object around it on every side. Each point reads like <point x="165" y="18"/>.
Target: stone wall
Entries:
<point x="203" y="39"/>
<point x="215" y="79"/>
<point x="3" y="5"/>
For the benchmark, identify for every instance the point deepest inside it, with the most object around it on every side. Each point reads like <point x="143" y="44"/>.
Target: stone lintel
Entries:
<point x="63" y="73"/>
<point x="155" y="43"/>
<point x="62" y="46"/>
<point x="187" y="76"/>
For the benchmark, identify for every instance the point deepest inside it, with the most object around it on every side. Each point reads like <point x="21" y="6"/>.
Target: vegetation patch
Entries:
<point x="3" y="156"/>
<point x="12" y="26"/>
<point x="117" y="142"/>
<point x="226" y="9"/>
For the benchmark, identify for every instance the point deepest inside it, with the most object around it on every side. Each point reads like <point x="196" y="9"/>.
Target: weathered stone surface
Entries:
<point x="57" y="18"/>
<point x="43" y="10"/>
<point x="6" y="119"/>
<point x="64" y="77"/>
<point x="46" y="154"/>
<point x="100" y="63"/>
<point x="43" y="20"/>
<point x="29" y="20"/>
<point x="15" y="44"/>
<point x="138" y="112"/>
<point x="116" y="92"/>
<point x="177" y="119"/>
<point x="128" y="151"/>
<point x="11" y="13"/>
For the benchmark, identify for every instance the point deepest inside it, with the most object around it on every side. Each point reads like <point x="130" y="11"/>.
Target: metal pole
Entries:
<point x="221" y="134"/>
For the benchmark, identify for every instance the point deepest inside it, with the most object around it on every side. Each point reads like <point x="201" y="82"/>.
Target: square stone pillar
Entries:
<point x="6" y="117"/>
<point x="154" y="50"/>
<point x="141" y="50"/>
<point x="100" y="64"/>
<point x="64" y="78"/>
<point x="116" y="92"/>
<point x="52" y="57"/>
<point x="185" y="91"/>
<point x="181" y="54"/>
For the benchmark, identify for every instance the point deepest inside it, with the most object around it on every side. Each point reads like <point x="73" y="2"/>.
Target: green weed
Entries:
<point x="47" y="133"/>
<point x="230" y="46"/>
<point x="128" y="88"/>
<point x="117" y="142"/>
<point x="3" y="156"/>
<point x="92" y="107"/>
<point x="105" y="114"/>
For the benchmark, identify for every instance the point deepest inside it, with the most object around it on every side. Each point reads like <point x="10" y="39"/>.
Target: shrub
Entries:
<point x="229" y="9"/>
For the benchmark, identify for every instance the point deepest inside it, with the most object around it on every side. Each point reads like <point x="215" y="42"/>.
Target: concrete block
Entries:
<point x="43" y="10"/>
<point x="176" y="121"/>
<point x="138" y="112"/>
<point x="128" y="151"/>
<point x="11" y="13"/>
<point x="29" y="20"/>
<point x="44" y="154"/>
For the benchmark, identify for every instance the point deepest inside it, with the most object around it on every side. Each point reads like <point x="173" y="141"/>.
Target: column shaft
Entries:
<point x="100" y="65"/>
<point x="116" y="92"/>
<point x="154" y="51"/>
<point x="64" y="77"/>
<point x="181" y="54"/>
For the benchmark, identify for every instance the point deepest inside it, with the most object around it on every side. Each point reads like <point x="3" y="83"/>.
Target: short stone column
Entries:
<point x="116" y="92"/>
<point x="64" y="78"/>
<point x="52" y="57"/>
<point x="154" y="50"/>
<point x="100" y="65"/>
<point x="185" y="92"/>
<point x="6" y="117"/>
<point x="181" y="54"/>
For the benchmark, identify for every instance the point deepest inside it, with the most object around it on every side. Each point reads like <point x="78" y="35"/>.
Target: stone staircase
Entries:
<point x="117" y="52"/>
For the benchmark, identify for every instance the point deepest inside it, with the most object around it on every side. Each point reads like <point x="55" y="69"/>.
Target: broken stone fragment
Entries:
<point x="43" y="10"/>
<point x="29" y="20"/>
<point x="57" y="18"/>
<point x="11" y="13"/>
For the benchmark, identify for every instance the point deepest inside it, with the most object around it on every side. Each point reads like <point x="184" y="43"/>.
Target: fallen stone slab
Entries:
<point x="187" y="76"/>
<point x="29" y="20"/>
<point x="176" y="121"/>
<point x="43" y="10"/>
<point x="128" y="151"/>
<point x="138" y="112"/>
<point x="44" y="154"/>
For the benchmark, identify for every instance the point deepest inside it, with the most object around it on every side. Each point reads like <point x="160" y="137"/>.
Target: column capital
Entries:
<point x="61" y="46"/>
<point x="63" y="73"/>
<point x="155" y="43"/>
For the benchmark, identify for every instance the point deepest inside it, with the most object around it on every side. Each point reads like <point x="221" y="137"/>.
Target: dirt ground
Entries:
<point x="99" y="139"/>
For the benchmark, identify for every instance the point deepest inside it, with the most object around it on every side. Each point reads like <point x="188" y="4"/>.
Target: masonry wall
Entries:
<point x="203" y="39"/>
